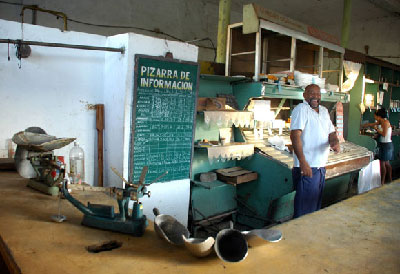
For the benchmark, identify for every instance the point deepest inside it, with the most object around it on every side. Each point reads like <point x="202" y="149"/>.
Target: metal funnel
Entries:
<point x="231" y="245"/>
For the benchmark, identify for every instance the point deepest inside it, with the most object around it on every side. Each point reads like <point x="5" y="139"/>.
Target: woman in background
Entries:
<point x="386" y="149"/>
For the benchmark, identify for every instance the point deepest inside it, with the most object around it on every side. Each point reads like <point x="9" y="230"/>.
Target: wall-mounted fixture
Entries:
<point x="23" y="51"/>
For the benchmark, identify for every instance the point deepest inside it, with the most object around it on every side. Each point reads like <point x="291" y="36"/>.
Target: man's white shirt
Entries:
<point x="315" y="128"/>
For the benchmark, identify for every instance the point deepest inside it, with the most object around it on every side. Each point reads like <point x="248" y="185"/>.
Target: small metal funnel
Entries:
<point x="58" y="218"/>
<point x="231" y="245"/>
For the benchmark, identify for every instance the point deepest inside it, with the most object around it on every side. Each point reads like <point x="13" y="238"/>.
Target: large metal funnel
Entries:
<point x="231" y="245"/>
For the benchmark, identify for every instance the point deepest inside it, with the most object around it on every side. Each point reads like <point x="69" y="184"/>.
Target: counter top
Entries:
<point x="359" y="233"/>
<point x="351" y="157"/>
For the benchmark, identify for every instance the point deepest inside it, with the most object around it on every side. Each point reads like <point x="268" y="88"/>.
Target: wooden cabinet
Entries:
<point x="268" y="47"/>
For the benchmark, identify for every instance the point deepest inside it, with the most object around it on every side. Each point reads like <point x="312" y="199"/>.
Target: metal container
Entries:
<point x="168" y="228"/>
<point x="199" y="247"/>
<point x="231" y="245"/>
<point x="257" y="237"/>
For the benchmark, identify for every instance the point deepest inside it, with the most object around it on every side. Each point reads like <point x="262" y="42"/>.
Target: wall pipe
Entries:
<point x="59" y="45"/>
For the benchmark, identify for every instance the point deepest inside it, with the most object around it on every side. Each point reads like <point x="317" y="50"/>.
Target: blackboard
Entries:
<point x="163" y="118"/>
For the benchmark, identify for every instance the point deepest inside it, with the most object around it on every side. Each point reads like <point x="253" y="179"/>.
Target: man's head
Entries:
<point x="312" y="95"/>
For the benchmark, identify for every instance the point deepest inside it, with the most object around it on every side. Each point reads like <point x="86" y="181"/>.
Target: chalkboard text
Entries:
<point x="152" y="77"/>
<point x="159" y="83"/>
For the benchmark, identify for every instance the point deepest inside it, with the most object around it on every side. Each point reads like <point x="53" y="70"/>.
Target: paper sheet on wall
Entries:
<point x="369" y="177"/>
<point x="262" y="110"/>
<point x="351" y="71"/>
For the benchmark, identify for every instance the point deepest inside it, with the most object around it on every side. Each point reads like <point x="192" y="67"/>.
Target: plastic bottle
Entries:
<point x="77" y="164"/>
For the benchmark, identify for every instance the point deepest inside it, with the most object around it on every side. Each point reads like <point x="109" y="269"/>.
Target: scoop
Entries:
<point x="199" y="247"/>
<point x="168" y="228"/>
<point x="254" y="236"/>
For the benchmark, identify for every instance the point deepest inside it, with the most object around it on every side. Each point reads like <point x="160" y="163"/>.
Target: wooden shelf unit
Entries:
<point x="274" y="48"/>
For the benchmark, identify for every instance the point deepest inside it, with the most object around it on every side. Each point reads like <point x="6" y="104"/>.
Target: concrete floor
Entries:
<point x="358" y="235"/>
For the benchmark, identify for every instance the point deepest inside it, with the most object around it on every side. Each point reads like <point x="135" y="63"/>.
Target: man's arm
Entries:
<point x="334" y="142"/>
<point x="295" y="137"/>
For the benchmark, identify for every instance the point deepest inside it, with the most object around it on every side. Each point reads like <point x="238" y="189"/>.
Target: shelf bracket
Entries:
<point x="283" y="100"/>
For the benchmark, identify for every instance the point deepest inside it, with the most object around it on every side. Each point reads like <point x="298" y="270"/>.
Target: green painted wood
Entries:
<point x="282" y="208"/>
<point x="394" y="119"/>
<point x="202" y="164"/>
<point x="386" y="98"/>
<point x="244" y="91"/>
<point x="270" y="197"/>
<point x="210" y="199"/>
<point x="386" y="75"/>
<point x="220" y="78"/>
<point x="396" y="77"/>
<point x="368" y="115"/>
<point x="371" y="88"/>
<point x="274" y="181"/>
<point x="335" y="189"/>
<point x="224" y="17"/>
<point x="354" y="120"/>
<point x="164" y="108"/>
<point x="372" y="71"/>
<point x="214" y="199"/>
<point x="396" y="93"/>
<point x="204" y="131"/>
<point x="210" y="88"/>
<point x="346" y="23"/>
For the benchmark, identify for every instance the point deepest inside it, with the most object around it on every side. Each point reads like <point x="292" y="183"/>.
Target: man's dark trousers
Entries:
<point x="308" y="190"/>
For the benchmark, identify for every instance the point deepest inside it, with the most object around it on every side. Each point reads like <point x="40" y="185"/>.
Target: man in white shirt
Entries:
<point x="312" y="133"/>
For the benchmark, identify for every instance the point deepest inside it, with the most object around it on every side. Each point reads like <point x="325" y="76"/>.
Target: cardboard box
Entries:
<point x="236" y="175"/>
<point x="207" y="103"/>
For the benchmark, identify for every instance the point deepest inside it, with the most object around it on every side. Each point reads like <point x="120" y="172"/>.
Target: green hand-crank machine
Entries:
<point x="104" y="217"/>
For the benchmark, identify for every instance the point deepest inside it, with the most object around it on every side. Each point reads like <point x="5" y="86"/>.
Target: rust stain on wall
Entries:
<point x="87" y="105"/>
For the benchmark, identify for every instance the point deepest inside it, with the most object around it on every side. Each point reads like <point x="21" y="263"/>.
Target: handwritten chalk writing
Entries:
<point x="163" y="118"/>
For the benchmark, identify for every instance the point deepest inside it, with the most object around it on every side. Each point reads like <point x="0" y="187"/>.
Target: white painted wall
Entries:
<point x="56" y="86"/>
<point x="170" y="197"/>
<point x="53" y="88"/>
<point x="115" y="91"/>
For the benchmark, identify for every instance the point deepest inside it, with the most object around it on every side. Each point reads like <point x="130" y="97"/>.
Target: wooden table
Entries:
<point x="359" y="235"/>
